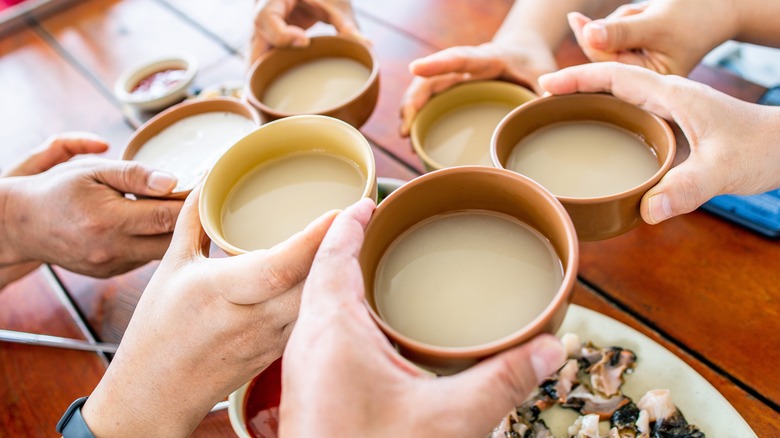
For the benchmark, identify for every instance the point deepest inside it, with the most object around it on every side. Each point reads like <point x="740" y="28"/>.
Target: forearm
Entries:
<point x="757" y="22"/>
<point x="130" y="403"/>
<point x="9" y="254"/>
<point x="545" y="20"/>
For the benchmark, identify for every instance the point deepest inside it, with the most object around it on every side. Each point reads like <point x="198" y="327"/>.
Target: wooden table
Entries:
<point x="707" y="290"/>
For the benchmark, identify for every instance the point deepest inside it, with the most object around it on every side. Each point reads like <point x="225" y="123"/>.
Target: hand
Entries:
<point x="76" y="216"/>
<point x="55" y="150"/>
<point x="341" y="376"/>
<point x="521" y="63"/>
<point x="667" y="36"/>
<point x="733" y="143"/>
<point x="202" y="328"/>
<point x="283" y="23"/>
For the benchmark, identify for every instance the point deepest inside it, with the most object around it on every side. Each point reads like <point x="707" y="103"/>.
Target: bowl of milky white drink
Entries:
<point x="454" y="127"/>
<point x="597" y="154"/>
<point x="333" y="76"/>
<point x="187" y="139"/>
<point x="464" y="262"/>
<point x="275" y="181"/>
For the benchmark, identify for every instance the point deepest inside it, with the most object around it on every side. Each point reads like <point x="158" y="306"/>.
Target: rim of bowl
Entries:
<point x="230" y="248"/>
<point x="665" y="166"/>
<point x="133" y="74"/>
<point x="562" y="295"/>
<point x="255" y="100"/>
<point x="236" y="410"/>
<point x="415" y="127"/>
<point x="154" y="121"/>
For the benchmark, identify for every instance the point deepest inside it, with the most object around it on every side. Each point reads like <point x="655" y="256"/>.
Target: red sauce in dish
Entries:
<point x="158" y="83"/>
<point x="261" y="404"/>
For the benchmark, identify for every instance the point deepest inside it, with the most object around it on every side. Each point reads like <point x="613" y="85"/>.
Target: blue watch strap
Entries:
<point x="72" y="424"/>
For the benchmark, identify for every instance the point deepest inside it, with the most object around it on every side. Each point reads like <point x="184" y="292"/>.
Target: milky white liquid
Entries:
<point x="462" y="136"/>
<point x="584" y="159"/>
<point x="317" y="85"/>
<point x="467" y="278"/>
<point x="189" y="147"/>
<point x="279" y="198"/>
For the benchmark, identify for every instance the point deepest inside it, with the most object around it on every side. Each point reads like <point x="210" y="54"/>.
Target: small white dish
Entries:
<point x="166" y="91"/>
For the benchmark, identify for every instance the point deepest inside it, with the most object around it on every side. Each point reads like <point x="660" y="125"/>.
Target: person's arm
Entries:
<point x="342" y="377"/>
<point x="734" y="144"/>
<point x="76" y="215"/>
<point x="672" y="36"/>
<point x="757" y="22"/>
<point x="202" y="328"/>
<point x="522" y="49"/>
<point x="544" y="22"/>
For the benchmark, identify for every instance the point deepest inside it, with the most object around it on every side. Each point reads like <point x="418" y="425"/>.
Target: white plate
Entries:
<point x="656" y="368"/>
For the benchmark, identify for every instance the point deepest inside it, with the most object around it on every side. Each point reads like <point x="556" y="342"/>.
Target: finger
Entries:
<point x="146" y="248"/>
<point x="628" y="9"/>
<point x="682" y="190"/>
<point x="189" y="239"/>
<point x="620" y="33"/>
<point x="463" y="59"/>
<point x="577" y="22"/>
<point x="148" y="217"/>
<point x="133" y="177"/>
<point x="639" y="86"/>
<point x="271" y="24"/>
<point x="420" y="91"/>
<point x="335" y="276"/>
<point x="342" y="18"/>
<point x="11" y="273"/>
<point x="58" y="149"/>
<point x="487" y="391"/>
<point x="280" y="268"/>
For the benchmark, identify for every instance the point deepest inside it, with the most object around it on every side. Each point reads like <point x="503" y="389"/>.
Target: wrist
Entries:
<point x="123" y="405"/>
<point x="9" y="222"/>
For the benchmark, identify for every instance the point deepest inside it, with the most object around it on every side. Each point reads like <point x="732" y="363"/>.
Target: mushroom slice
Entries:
<point x="587" y="402"/>
<point x="665" y="419"/>
<point x="606" y="375"/>
<point x="586" y="426"/>
<point x="558" y="386"/>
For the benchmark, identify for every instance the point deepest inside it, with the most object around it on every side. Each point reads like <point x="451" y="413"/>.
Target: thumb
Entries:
<point x="493" y="387"/>
<point x="135" y="178"/>
<point x="280" y="268"/>
<point x="618" y="34"/>
<point x="682" y="190"/>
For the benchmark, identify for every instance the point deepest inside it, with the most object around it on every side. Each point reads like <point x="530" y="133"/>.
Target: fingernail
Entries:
<point x="547" y="356"/>
<point x="660" y="208"/>
<point x="301" y="42"/>
<point x="161" y="181"/>
<point x="598" y="33"/>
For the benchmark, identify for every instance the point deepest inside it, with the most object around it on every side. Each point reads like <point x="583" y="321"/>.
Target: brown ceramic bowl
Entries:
<point x="277" y="61"/>
<point x="288" y="137"/>
<point x="449" y="103"/>
<point x="602" y="217"/>
<point x="197" y="164"/>
<point x="470" y="188"/>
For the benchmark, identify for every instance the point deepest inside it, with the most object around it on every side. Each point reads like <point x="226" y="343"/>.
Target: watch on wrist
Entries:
<point x="72" y="424"/>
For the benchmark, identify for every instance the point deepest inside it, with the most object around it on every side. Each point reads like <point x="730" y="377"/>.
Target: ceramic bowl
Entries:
<point x="489" y="100"/>
<point x="253" y="408"/>
<point x="290" y="137"/>
<point x="195" y="164"/>
<point x="168" y="88"/>
<point x="278" y="61"/>
<point x="470" y="188"/>
<point x="598" y="217"/>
